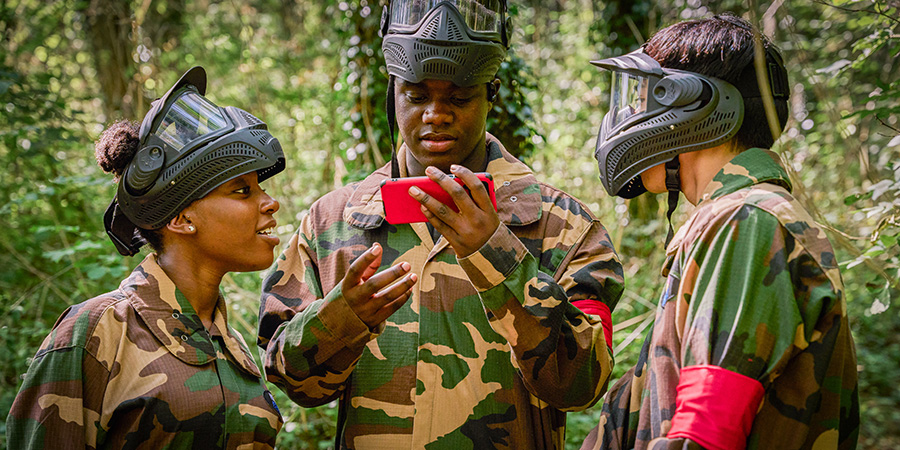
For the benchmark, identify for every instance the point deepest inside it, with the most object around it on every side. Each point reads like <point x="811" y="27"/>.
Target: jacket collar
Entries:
<point x="175" y="323"/>
<point x="752" y="166"/>
<point x="515" y="187"/>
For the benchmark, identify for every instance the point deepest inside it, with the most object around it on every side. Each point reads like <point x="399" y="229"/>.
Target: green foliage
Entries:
<point x="314" y="72"/>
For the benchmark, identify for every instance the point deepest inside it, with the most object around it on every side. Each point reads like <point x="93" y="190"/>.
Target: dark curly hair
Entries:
<point x="114" y="150"/>
<point x="720" y="46"/>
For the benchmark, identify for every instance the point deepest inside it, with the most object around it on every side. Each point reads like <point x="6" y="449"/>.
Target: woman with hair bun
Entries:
<point x="154" y="363"/>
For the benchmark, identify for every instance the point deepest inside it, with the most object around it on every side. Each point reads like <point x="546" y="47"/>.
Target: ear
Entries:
<point x="181" y="224"/>
<point x="493" y="89"/>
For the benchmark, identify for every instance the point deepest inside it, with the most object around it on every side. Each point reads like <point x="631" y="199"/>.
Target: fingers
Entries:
<point x="432" y="207"/>
<point x="384" y="278"/>
<point x="394" y="296"/>
<point x="452" y="186"/>
<point x="364" y="266"/>
<point x="381" y="295"/>
<point x="477" y="189"/>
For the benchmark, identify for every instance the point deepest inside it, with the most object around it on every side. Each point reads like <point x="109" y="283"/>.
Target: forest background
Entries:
<point x="314" y="72"/>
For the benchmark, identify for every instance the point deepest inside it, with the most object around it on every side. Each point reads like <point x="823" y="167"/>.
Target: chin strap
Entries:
<point x="673" y="185"/>
<point x="392" y="125"/>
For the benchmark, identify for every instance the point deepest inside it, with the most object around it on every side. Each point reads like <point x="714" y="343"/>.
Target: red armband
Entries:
<point x="598" y="308"/>
<point x="715" y="407"/>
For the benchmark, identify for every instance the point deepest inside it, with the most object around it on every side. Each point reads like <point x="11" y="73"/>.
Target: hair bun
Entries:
<point x="117" y="146"/>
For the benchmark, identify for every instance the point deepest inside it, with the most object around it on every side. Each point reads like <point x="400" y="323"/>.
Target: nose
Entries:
<point x="269" y="205"/>
<point x="437" y="113"/>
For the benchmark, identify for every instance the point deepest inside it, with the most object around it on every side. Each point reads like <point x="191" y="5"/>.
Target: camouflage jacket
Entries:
<point x="487" y="352"/>
<point x="135" y="368"/>
<point x="753" y="287"/>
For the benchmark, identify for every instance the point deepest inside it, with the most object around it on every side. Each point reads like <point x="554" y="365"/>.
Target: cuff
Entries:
<point x="495" y="260"/>
<point x="342" y="322"/>
<point x="715" y="407"/>
<point x="598" y="308"/>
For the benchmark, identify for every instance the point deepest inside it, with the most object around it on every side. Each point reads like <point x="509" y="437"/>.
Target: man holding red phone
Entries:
<point x="509" y="324"/>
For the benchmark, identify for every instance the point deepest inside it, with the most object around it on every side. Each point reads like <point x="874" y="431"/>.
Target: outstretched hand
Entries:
<point x="375" y="296"/>
<point x="468" y="229"/>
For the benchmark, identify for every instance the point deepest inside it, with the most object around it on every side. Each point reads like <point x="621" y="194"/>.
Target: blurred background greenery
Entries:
<point x="314" y="72"/>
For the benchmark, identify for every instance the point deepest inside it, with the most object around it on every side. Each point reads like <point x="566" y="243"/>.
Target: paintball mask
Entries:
<point x="656" y="114"/>
<point x="188" y="147"/>
<point x="463" y="41"/>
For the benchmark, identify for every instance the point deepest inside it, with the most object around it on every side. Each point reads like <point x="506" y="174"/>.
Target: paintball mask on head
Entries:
<point x="462" y="41"/>
<point x="656" y="114"/>
<point x="188" y="147"/>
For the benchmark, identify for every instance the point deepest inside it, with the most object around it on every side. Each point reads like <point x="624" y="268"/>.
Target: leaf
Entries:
<point x="851" y="199"/>
<point x="894" y="142"/>
<point x="835" y="66"/>
<point x="96" y="272"/>
<point x="880" y="188"/>
<point x="878" y="307"/>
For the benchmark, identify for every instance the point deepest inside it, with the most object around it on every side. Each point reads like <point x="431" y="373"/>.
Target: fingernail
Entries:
<point x="431" y="169"/>
<point x="454" y="167"/>
<point x="376" y="249"/>
<point x="405" y="266"/>
<point x="413" y="277"/>
<point x="414" y="190"/>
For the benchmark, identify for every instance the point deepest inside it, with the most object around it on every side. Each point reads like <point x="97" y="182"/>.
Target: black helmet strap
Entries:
<point x="392" y="125"/>
<point x="673" y="185"/>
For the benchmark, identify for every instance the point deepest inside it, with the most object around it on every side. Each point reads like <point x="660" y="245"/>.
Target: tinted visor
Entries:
<point x="629" y="97"/>
<point x="482" y="16"/>
<point x="190" y="117"/>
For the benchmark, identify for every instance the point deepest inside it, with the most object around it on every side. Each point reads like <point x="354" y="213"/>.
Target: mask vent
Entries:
<point x="439" y="68"/>
<point x="488" y="63"/>
<point x="249" y="118"/>
<point x="395" y="55"/>
<point x="432" y="28"/>
<point x="213" y="169"/>
<point x="453" y="31"/>
<point x="457" y="53"/>
<point x="644" y="146"/>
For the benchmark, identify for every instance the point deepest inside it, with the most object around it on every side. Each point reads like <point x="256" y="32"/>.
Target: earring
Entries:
<point x="191" y="228"/>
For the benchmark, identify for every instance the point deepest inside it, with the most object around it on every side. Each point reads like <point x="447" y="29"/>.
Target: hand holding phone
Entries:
<point x="400" y="207"/>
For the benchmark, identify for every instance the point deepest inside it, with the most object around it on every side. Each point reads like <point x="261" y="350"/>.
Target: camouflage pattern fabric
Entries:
<point x="487" y="353"/>
<point x="135" y="369"/>
<point x="752" y="286"/>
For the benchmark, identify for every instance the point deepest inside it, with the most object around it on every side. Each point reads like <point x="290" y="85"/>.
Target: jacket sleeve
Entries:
<point x="751" y="298"/>
<point x="58" y="405"/>
<point x="561" y="352"/>
<point x="311" y="342"/>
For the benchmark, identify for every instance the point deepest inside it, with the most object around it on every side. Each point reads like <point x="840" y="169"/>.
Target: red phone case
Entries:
<point x="400" y="207"/>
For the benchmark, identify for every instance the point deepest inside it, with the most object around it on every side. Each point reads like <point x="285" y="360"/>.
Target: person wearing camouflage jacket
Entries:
<point x="154" y="363"/>
<point x="509" y="323"/>
<point x="751" y="286"/>
<point x="134" y="367"/>
<point x="489" y="351"/>
<point x="751" y="345"/>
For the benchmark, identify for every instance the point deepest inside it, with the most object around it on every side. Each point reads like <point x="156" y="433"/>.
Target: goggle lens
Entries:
<point x="483" y="16"/>
<point x="191" y="116"/>
<point x="629" y="97"/>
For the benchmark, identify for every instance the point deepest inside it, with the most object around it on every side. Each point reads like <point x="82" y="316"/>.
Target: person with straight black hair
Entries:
<point x="751" y="346"/>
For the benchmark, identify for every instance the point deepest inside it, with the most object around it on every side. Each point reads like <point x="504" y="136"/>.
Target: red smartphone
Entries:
<point x="400" y="207"/>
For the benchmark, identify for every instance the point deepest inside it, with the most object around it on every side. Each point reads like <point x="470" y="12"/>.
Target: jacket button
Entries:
<point x="184" y="337"/>
<point x="513" y="199"/>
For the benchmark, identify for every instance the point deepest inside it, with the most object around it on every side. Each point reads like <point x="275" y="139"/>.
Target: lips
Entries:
<point x="437" y="142"/>
<point x="267" y="233"/>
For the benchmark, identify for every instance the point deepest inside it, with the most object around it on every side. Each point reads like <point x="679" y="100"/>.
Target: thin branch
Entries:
<point x="844" y="8"/>
<point x="880" y="120"/>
